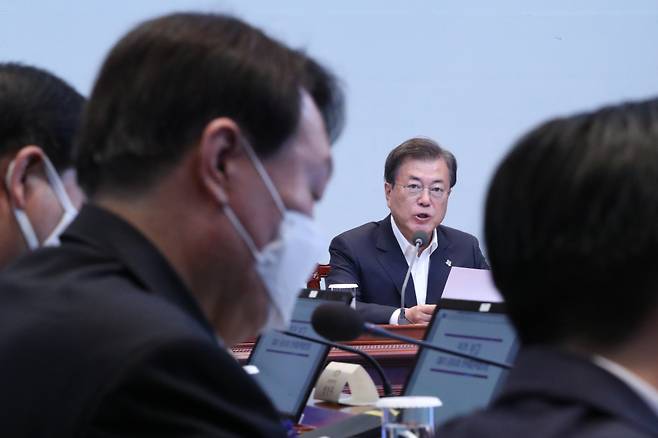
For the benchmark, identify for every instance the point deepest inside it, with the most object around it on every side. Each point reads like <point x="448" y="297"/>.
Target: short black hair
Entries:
<point x="418" y="148"/>
<point x="571" y="226"/>
<point x="167" y="78"/>
<point x="38" y="108"/>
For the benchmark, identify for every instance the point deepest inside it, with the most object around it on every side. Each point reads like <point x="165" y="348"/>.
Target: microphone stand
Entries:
<point x="374" y="329"/>
<point x="402" y="319"/>
<point x="388" y="390"/>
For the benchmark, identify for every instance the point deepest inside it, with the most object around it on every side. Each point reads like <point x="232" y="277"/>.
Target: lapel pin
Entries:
<point x="448" y="262"/>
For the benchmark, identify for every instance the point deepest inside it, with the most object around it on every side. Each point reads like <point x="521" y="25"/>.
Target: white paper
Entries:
<point x="471" y="285"/>
<point x="338" y="374"/>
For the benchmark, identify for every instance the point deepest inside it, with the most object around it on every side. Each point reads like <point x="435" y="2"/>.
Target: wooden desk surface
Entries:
<point x="365" y="342"/>
<point x="374" y="345"/>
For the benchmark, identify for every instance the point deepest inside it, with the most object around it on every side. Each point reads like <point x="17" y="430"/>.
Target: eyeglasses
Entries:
<point x="415" y="189"/>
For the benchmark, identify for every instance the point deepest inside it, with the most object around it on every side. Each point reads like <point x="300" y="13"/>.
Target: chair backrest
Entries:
<point x="321" y="271"/>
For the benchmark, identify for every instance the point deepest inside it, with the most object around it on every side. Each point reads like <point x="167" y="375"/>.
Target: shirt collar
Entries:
<point x="406" y="247"/>
<point x="638" y="385"/>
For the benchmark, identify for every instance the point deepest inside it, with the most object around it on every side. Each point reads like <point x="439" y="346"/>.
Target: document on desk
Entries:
<point x="471" y="285"/>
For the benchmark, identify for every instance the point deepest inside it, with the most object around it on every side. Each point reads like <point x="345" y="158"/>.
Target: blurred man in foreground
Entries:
<point x="572" y="231"/>
<point x="203" y="149"/>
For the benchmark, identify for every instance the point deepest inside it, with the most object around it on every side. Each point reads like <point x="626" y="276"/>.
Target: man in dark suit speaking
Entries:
<point x="419" y="176"/>
<point x="571" y="225"/>
<point x="203" y="149"/>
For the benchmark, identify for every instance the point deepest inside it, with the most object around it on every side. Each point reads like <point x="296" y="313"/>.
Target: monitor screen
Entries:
<point x="288" y="367"/>
<point x="463" y="385"/>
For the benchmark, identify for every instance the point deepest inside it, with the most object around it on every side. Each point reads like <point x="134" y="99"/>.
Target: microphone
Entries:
<point x="388" y="390"/>
<point x="341" y="323"/>
<point x="420" y="238"/>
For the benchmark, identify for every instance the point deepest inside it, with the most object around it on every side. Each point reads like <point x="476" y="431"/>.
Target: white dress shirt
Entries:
<point x="421" y="268"/>
<point x="638" y="385"/>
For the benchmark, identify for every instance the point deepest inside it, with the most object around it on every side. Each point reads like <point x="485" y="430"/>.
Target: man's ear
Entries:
<point x="219" y="142"/>
<point x="387" y="191"/>
<point x="23" y="165"/>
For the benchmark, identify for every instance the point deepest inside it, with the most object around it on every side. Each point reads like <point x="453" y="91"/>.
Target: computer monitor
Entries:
<point x="288" y="367"/>
<point x="463" y="385"/>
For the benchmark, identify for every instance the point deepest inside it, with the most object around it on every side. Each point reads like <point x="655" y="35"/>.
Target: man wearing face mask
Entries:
<point x="203" y="149"/>
<point x="39" y="114"/>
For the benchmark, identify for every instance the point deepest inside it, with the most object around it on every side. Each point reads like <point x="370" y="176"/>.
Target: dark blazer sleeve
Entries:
<point x="345" y="269"/>
<point x="479" y="262"/>
<point x="375" y="313"/>
<point x="184" y="389"/>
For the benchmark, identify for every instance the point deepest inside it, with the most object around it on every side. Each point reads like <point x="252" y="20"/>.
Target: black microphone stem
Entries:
<point x="388" y="390"/>
<point x="374" y="329"/>
<point x="406" y="280"/>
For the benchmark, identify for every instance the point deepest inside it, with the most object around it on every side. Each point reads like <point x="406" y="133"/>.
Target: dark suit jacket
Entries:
<point x="100" y="338"/>
<point x="553" y="394"/>
<point x="371" y="257"/>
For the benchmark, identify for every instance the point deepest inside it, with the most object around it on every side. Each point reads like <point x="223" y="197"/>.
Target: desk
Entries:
<point x="394" y="356"/>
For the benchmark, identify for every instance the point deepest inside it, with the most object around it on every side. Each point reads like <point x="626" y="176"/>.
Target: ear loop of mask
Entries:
<point x="271" y="188"/>
<point x="58" y="187"/>
<point x="21" y="217"/>
<point x="62" y="196"/>
<point x="232" y="217"/>
<point x="274" y="193"/>
<point x="60" y="193"/>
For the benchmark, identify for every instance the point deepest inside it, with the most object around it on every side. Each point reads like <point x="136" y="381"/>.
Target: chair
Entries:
<point x="315" y="282"/>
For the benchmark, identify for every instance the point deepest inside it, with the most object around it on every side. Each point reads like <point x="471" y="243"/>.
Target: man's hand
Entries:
<point x="420" y="314"/>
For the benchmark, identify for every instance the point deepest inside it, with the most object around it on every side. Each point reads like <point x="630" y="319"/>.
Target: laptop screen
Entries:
<point x="288" y="367"/>
<point x="463" y="385"/>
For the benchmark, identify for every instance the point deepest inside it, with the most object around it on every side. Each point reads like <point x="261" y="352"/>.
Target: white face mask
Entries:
<point x="60" y="193"/>
<point x="285" y="264"/>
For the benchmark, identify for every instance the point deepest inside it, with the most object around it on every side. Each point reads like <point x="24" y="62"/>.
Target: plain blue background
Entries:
<point x="473" y="75"/>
